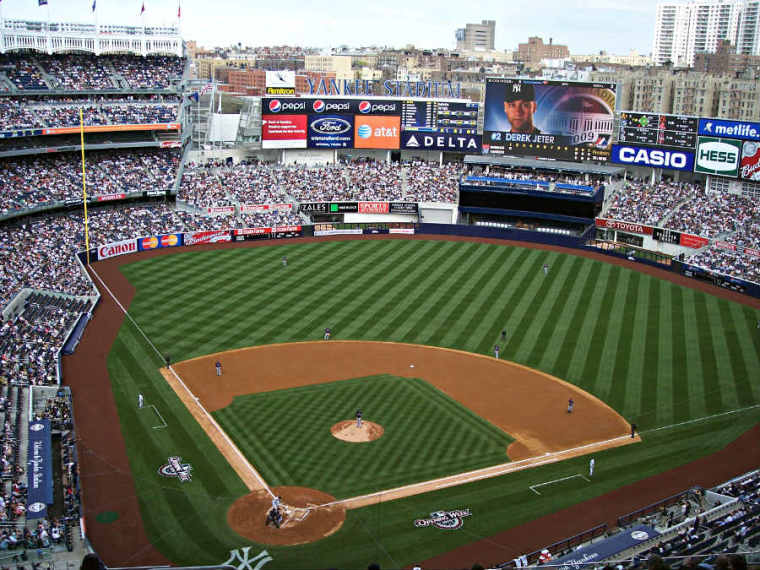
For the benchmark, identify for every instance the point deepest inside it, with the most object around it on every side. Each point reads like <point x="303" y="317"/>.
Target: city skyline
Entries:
<point x="585" y="26"/>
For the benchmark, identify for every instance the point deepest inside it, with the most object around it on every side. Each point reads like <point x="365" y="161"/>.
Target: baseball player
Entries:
<point x="218" y="368"/>
<point x="570" y="406"/>
<point x="633" y="431"/>
<point x="328" y="332"/>
<point x="591" y="467"/>
<point x="359" y="419"/>
<point x="284" y="260"/>
<point x="139" y="400"/>
<point x="496" y="350"/>
<point x="504" y="335"/>
<point x="546" y="269"/>
<point x="276" y="500"/>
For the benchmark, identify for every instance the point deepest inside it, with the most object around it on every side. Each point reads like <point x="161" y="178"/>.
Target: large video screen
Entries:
<point x="562" y="120"/>
<point x="677" y="131"/>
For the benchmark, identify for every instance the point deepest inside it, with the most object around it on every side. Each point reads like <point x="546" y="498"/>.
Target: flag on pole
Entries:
<point x="42" y="2"/>
<point x="179" y="11"/>
<point x="142" y="10"/>
<point x="219" y="108"/>
<point x="194" y="96"/>
<point x="93" y="5"/>
<point x="206" y="88"/>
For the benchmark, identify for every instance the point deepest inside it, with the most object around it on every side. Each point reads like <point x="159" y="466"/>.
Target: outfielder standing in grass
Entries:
<point x="496" y="350"/>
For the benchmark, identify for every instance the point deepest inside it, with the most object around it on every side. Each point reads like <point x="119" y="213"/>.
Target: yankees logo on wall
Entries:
<point x="175" y="468"/>
<point x="446" y="520"/>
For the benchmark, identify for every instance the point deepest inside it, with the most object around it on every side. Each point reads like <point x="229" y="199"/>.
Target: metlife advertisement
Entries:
<point x="654" y="157"/>
<point x="331" y="131"/>
<point x="733" y="129"/>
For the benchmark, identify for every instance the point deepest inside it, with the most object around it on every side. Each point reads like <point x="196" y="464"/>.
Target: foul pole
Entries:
<point x="84" y="189"/>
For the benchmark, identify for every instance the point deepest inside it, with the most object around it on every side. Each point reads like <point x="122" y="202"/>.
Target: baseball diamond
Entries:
<point x="570" y="328"/>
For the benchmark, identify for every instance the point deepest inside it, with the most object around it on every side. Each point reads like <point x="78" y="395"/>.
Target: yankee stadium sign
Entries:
<point x="386" y="88"/>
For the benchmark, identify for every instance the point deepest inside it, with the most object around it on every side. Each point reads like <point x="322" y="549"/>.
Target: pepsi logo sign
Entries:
<point x="274" y="106"/>
<point x="365" y="107"/>
<point x="318" y="106"/>
<point x="332" y="126"/>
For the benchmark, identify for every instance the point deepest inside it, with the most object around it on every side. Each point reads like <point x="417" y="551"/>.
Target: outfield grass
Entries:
<point x="658" y="353"/>
<point x="427" y="435"/>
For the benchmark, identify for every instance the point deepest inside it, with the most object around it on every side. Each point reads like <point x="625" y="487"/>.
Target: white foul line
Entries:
<point x="160" y="416"/>
<point x="533" y="487"/>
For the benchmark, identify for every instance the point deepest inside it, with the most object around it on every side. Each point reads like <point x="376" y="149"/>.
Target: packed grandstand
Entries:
<point x="151" y="191"/>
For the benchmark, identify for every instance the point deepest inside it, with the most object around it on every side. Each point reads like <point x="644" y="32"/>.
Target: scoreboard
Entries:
<point x="439" y="117"/>
<point x="675" y="131"/>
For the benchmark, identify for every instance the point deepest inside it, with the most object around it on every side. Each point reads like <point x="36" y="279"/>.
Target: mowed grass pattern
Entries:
<point x="656" y="352"/>
<point x="427" y="435"/>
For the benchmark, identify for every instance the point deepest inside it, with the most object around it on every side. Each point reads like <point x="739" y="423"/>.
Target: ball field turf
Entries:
<point x="658" y="353"/>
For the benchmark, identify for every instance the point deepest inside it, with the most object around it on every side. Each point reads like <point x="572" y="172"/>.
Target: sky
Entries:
<point x="585" y="26"/>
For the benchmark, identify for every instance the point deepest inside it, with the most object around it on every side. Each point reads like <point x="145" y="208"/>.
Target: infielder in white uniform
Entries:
<point x="591" y="467"/>
<point x="139" y="400"/>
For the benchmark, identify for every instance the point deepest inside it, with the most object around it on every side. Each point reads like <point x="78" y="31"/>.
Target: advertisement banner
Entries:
<point x="326" y="105"/>
<point x="550" y="119"/>
<point x="215" y="236"/>
<point x="251" y="231"/>
<point x="283" y="131"/>
<point x="752" y="251"/>
<point x="108" y="197"/>
<point x="407" y="231"/>
<point x="331" y="131"/>
<point x="652" y="156"/>
<point x="403" y="208"/>
<point x="624" y="226"/>
<point x="171" y="144"/>
<point x="220" y="210"/>
<point x="20" y="133"/>
<point x="283" y="232"/>
<point x="732" y="129"/>
<point x="412" y="140"/>
<point x="329" y="207"/>
<point x="373" y="207"/>
<point x="160" y="241"/>
<point x="590" y="555"/>
<point x="261" y="208"/>
<point x="112" y="128"/>
<point x="694" y="242"/>
<point x="281" y="82"/>
<point x="344" y="232"/>
<point x="667" y="236"/>
<point x="39" y="470"/>
<point x="117" y="248"/>
<point x="749" y="169"/>
<point x="377" y="132"/>
<point x="725" y="245"/>
<point x="718" y="156"/>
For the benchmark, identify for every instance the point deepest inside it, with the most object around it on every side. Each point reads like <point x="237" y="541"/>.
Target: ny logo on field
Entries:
<point x="245" y="562"/>
<point x="175" y="468"/>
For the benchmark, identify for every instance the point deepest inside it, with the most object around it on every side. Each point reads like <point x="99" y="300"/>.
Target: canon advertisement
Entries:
<point x="718" y="156"/>
<point x="634" y="155"/>
<point x="749" y="169"/>
<point x="117" y="248"/>
<point x="551" y="119"/>
<point x="411" y="140"/>
<point x="331" y="131"/>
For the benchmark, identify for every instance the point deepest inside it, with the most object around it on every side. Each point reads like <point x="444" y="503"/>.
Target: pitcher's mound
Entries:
<point x="247" y="516"/>
<point x="348" y="431"/>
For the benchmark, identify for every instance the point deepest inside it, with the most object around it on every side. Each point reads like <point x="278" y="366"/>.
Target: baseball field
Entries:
<point x="423" y="317"/>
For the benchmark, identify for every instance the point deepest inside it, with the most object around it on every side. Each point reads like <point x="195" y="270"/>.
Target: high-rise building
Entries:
<point x="685" y="30"/>
<point x="477" y="36"/>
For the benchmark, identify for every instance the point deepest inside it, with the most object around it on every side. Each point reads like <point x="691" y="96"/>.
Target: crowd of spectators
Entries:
<point x="431" y="182"/>
<point x="711" y="215"/>
<point x="21" y="113"/>
<point x="39" y="179"/>
<point x="731" y="263"/>
<point x="220" y="184"/>
<point x="642" y="203"/>
<point x="79" y="72"/>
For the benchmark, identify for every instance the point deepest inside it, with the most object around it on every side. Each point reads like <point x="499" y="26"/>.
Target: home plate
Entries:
<point x="411" y="366"/>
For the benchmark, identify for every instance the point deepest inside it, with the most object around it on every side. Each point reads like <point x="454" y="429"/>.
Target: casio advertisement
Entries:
<point x="634" y="155"/>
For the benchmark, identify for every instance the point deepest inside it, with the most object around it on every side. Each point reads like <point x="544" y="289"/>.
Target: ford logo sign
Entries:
<point x="330" y="126"/>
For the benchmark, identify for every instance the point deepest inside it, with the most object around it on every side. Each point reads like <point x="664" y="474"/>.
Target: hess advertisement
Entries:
<point x="331" y="131"/>
<point x="551" y="119"/>
<point x="718" y="156"/>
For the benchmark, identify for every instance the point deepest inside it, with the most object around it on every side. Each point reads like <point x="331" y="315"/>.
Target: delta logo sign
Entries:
<point x="379" y="132"/>
<point x="718" y="156"/>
